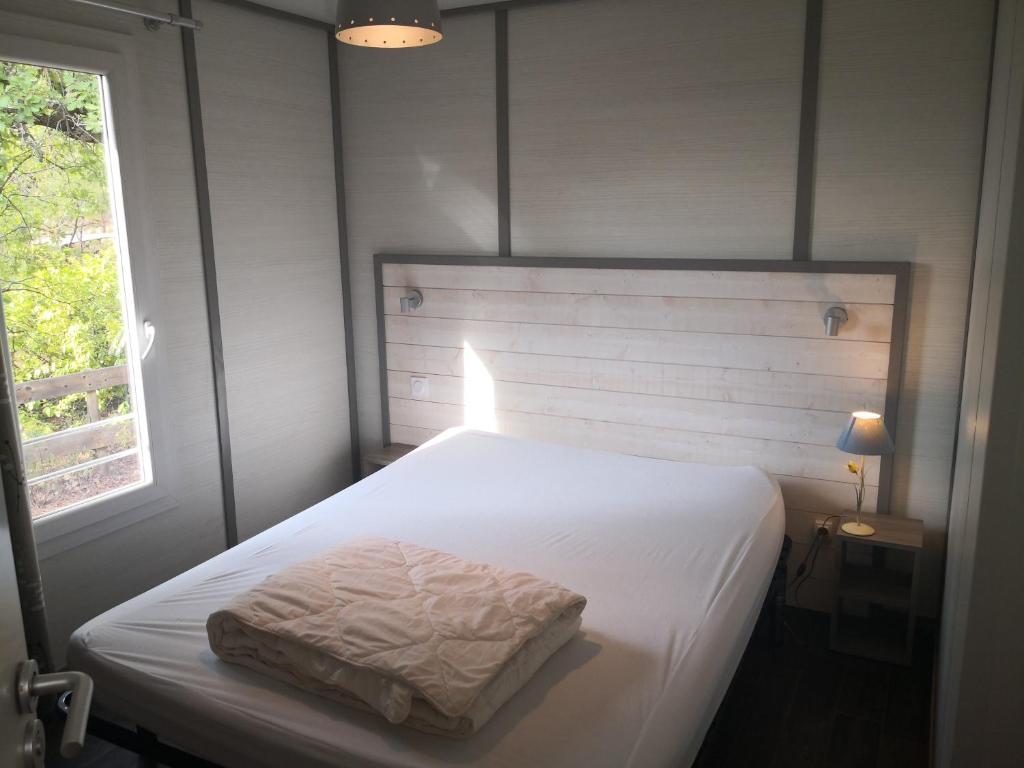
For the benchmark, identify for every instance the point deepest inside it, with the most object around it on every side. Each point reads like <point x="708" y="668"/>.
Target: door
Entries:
<point x="16" y="727"/>
<point x="22" y="741"/>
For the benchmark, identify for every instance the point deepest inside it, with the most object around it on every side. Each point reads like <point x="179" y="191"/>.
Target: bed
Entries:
<point x="674" y="558"/>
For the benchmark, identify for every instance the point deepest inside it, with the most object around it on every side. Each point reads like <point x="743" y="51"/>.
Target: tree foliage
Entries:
<point x="58" y="263"/>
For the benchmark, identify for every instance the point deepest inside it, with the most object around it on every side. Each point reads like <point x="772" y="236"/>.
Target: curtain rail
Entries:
<point x="170" y="19"/>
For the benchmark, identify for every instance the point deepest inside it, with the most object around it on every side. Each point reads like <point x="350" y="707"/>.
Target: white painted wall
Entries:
<point x="94" y="576"/>
<point x="420" y="168"/>
<point x="666" y="129"/>
<point x="902" y="120"/>
<point x="903" y="90"/>
<point x="267" y="110"/>
<point x="677" y="136"/>
<point x="270" y="155"/>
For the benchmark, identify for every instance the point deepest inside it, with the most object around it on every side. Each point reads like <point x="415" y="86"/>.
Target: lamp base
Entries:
<point x="858" y="529"/>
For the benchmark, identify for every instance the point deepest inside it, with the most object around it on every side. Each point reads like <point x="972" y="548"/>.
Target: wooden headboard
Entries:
<point x="693" y="360"/>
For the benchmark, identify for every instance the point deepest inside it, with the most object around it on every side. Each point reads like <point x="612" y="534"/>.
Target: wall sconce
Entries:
<point x="412" y="300"/>
<point x="834" y="317"/>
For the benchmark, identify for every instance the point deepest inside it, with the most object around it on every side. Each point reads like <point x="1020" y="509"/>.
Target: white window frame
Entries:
<point x="112" y="56"/>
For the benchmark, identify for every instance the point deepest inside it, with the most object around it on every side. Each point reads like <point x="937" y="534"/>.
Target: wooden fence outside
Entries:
<point x="97" y="434"/>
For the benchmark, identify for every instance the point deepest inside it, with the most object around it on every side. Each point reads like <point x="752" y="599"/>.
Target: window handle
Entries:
<point x="150" y="332"/>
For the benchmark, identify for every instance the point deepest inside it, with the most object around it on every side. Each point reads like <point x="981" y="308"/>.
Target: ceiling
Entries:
<point x="324" y="10"/>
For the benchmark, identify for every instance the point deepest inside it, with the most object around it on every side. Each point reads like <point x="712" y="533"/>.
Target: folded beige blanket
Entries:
<point x="422" y="637"/>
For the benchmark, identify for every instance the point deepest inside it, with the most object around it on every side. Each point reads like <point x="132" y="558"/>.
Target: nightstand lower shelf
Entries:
<point x="878" y="586"/>
<point x="883" y="638"/>
<point x="875" y="601"/>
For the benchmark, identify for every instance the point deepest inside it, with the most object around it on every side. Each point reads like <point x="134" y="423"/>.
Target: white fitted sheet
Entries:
<point x="674" y="559"/>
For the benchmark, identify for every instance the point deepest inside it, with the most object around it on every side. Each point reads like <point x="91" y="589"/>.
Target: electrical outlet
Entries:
<point x="830" y="526"/>
<point x="419" y="386"/>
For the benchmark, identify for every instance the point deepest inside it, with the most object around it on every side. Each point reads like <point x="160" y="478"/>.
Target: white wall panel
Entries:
<point x="660" y="128"/>
<point x="655" y="127"/>
<point x="270" y="154"/>
<point x="92" y="577"/>
<point x="902" y="111"/>
<point x="420" y="160"/>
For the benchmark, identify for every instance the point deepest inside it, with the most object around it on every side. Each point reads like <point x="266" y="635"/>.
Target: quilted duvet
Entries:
<point x="419" y="636"/>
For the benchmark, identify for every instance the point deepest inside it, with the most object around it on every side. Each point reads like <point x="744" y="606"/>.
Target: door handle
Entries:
<point x="31" y="685"/>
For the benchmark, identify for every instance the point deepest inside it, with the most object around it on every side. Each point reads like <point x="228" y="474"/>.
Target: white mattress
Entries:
<point x="674" y="559"/>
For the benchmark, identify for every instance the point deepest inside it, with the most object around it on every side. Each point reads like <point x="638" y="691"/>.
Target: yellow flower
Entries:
<point x="852" y="466"/>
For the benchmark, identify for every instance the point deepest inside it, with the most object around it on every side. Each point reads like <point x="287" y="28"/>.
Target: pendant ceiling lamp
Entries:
<point x="388" y="23"/>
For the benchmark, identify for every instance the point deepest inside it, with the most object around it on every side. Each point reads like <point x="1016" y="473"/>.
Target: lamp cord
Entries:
<point x="805" y="570"/>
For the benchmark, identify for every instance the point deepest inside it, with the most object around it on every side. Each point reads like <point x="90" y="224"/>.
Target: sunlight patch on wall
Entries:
<point x="478" y="392"/>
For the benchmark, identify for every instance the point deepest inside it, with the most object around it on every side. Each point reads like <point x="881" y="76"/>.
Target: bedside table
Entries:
<point x="374" y="460"/>
<point x="880" y="572"/>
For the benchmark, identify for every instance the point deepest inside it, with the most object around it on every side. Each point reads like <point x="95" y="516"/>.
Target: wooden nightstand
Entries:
<point x="879" y="573"/>
<point x="374" y="460"/>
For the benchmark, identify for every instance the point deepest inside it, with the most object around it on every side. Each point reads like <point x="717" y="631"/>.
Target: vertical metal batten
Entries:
<point x="807" y="147"/>
<point x="188" y="42"/>
<point x="501" y="95"/>
<point x="346" y="277"/>
<point x="894" y="376"/>
<point x="19" y="515"/>
<point x="382" y="348"/>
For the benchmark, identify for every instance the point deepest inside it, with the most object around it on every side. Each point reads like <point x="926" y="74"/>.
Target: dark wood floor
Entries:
<point x="799" y="705"/>
<point x="793" y="706"/>
<point x="95" y="754"/>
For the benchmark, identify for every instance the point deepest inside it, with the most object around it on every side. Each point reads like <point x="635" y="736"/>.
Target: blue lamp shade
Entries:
<point x="866" y="435"/>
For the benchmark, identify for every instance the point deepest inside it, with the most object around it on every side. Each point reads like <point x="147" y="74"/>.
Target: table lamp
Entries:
<point x="865" y="435"/>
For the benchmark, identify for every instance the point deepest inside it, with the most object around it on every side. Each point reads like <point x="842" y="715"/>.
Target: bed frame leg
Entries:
<point x="148" y="747"/>
<point x="777" y="591"/>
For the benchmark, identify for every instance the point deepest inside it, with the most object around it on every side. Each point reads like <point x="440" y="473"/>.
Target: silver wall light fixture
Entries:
<point x="388" y="23"/>
<point x="834" y="318"/>
<point x="412" y="300"/>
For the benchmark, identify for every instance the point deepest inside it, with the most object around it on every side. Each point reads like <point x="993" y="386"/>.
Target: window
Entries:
<point x="67" y="291"/>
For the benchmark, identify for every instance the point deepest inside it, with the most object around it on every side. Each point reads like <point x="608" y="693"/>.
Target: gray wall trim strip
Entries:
<point x="227" y="479"/>
<point x="346" y="276"/>
<point x="382" y="349"/>
<point x="807" y="147"/>
<point x="501" y="94"/>
<point x="601" y="262"/>
<point x="893" y="379"/>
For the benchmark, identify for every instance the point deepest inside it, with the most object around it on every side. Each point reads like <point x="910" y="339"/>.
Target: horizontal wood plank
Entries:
<point x="783" y="286"/>
<point x="819" y="496"/>
<point x="757" y="317"/>
<point x="402" y="433"/>
<point x="861" y="359"/>
<point x="722" y="418"/>
<point x="794" y="459"/>
<point x="71" y="384"/>
<point x="792" y="390"/>
<point x="116" y="432"/>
